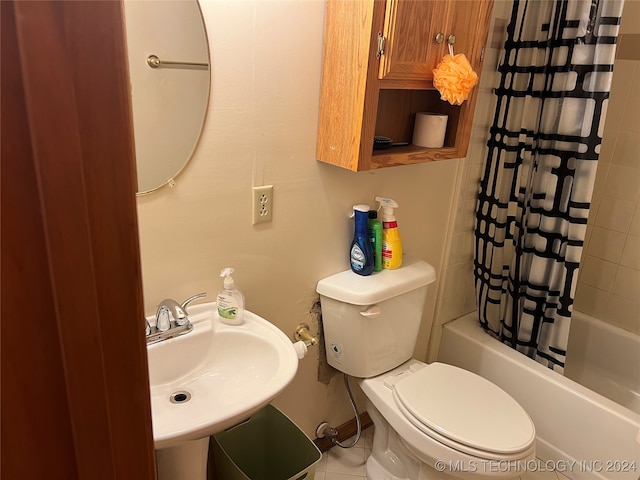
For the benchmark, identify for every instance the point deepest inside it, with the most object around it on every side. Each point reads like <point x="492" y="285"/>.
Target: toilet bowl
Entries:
<point x="449" y="422"/>
<point x="432" y="421"/>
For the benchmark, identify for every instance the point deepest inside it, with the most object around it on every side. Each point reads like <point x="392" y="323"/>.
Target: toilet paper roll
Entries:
<point x="429" y="129"/>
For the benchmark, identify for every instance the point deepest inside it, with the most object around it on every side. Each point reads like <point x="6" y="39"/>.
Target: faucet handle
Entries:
<point x="163" y="320"/>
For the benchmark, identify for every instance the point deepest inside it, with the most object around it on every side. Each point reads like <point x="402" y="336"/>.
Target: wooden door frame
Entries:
<point x="75" y="391"/>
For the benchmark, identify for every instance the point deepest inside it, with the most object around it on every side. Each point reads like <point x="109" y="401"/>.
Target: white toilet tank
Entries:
<point x="371" y="323"/>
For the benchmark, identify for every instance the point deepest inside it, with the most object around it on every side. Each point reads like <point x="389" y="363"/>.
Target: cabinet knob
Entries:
<point x="451" y="39"/>
<point x="439" y="37"/>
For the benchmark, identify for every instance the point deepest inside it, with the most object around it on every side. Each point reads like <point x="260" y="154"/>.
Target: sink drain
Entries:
<point x="180" y="397"/>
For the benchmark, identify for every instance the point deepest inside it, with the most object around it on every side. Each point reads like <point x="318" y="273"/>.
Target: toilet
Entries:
<point x="432" y="421"/>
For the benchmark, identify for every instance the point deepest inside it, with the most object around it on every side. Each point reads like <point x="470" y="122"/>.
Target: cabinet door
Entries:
<point x="410" y="26"/>
<point x="469" y="21"/>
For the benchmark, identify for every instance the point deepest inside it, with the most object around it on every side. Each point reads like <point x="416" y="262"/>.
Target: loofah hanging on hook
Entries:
<point x="454" y="78"/>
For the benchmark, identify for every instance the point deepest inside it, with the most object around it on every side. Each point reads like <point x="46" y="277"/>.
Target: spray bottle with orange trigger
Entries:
<point x="391" y="241"/>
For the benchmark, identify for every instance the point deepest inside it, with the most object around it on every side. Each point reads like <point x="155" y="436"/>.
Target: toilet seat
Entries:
<point x="463" y="411"/>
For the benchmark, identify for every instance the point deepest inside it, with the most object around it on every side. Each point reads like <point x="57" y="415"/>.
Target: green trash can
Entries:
<point x="268" y="446"/>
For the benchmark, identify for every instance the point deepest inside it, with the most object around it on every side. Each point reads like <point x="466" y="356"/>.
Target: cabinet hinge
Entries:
<point x="482" y="55"/>
<point x="381" y="44"/>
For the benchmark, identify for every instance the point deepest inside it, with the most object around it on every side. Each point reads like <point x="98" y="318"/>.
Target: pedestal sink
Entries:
<point x="213" y="378"/>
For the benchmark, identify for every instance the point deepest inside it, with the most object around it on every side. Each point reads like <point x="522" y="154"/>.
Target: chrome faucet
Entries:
<point x="165" y="328"/>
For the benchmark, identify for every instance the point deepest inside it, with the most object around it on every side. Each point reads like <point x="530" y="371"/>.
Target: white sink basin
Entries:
<point x="230" y="372"/>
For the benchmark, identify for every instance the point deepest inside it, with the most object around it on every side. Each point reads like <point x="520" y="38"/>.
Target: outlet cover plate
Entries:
<point x="262" y="204"/>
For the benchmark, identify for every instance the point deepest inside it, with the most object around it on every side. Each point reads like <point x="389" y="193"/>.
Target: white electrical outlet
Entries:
<point x="262" y="204"/>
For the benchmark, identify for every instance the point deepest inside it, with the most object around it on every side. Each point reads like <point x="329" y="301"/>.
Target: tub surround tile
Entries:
<point x="615" y="214"/>
<point x="591" y="301"/>
<point x="624" y="313"/>
<point x="462" y="247"/>
<point x="627" y="283"/>
<point x="631" y="117"/>
<point x="466" y="217"/>
<point x="587" y="239"/>
<point x="469" y="300"/>
<point x="625" y="152"/>
<point x="597" y="273"/>
<point x="479" y="137"/>
<point x="623" y="182"/>
<point x="631" y="253"/>
<point x="613" y="112"/>
<point x="434" y="343"/>
<point x="471" y="187"/>
<point x="606" y="244"/>
<point x="621" y="85"/>
<point x="598" y="188"/>
<point x="459" y="277"/>
<point x="634" y="228"/>
<point x="451" y="307"/>
<point x="608" y="144"/>
<point x="458" y="295"/>
<point x="633" y="92"/>
<point x="609" y="283"/>
<point x="471" y="182"/>
<point x="628" y="24"/>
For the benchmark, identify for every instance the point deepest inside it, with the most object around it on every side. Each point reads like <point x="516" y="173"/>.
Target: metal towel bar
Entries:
<point x="154" y="62"/>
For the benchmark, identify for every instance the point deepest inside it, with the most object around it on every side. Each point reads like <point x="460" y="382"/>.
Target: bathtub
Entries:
<point x="581" y="433"/>
<point x="604" y="359"/>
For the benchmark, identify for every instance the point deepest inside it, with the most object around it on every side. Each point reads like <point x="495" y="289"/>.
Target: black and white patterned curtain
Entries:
<point x="535" y="193"/>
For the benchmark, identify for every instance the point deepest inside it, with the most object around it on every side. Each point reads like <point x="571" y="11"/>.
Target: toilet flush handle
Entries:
<point x="371" y="312"/>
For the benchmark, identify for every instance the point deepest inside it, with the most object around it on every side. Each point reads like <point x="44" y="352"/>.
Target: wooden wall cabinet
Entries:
<point x="365" y="93"/>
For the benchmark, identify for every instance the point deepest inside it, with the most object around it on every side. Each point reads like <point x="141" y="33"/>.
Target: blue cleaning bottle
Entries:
<point x="361" y="253"/>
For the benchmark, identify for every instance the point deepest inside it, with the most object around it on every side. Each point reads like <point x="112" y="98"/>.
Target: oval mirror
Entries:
<point x="170" y="82"/>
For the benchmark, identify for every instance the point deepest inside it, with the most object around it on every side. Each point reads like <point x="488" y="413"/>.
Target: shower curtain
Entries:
<point x="539" y="172"/>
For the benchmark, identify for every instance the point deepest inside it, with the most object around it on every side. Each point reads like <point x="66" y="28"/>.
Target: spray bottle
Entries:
<point x="360" y="252"/>
<point x="391" y="241"/>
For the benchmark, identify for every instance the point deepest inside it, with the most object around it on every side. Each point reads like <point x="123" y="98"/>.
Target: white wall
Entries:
<point x="261" y="129"/>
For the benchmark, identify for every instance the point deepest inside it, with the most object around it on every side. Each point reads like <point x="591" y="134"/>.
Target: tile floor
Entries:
<point x="349" y="464"/>
<point x="346" y="463"/>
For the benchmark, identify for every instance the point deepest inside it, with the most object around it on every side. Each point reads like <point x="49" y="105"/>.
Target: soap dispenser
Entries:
<point x="230" y="300"/>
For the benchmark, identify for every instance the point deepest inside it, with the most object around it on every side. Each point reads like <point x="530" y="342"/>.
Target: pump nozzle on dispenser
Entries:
<point x="228" y="280"/>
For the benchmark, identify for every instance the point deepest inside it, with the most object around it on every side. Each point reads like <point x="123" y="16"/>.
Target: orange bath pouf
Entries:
<point x="454" y="78"/>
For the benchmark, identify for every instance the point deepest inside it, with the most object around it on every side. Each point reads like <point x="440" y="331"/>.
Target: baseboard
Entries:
<point x="346" y="430"/>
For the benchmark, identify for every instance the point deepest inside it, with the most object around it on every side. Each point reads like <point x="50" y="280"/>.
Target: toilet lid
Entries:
<point x="465" y="408"/>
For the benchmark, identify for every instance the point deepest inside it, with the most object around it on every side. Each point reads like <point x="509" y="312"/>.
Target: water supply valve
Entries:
<point x="304" y="339"/>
